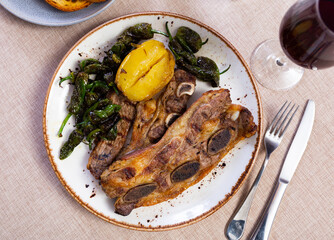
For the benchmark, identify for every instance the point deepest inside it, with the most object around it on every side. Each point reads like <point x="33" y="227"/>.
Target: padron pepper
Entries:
<point x="189" y="39"/>
<point x="205" y="69"/>
<point x="95" y="68"/>
<point x="185" y="43"/>
<point x="91" y="98"/>
<point x="74" y="140"/>
<point x="75" y="107"/>
<point x="209" y="71"/>
<point x="87" y="62"/>
<point x="98" y="116"/>
<point x="180" y="54"/>
<point x="78" y="95"/>
<point x="110" y="122"/>
<point x="145" y="71"/>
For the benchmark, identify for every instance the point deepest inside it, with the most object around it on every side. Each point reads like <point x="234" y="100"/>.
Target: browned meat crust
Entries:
<point x="188" y="151"/>
<point x="105" y="151"/>
<point x="155" y="116"/>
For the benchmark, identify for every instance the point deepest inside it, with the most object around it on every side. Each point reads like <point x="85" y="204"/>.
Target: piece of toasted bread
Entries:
<point x="69" y="5"/>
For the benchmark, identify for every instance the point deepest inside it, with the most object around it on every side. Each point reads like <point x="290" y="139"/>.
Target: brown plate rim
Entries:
<point x="241" y="179"/>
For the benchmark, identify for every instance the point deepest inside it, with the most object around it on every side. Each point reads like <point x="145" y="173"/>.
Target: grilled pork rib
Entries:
<point x="192" y="146"/>
<point x="155" y="116"/>
<point x="105" y="151"/>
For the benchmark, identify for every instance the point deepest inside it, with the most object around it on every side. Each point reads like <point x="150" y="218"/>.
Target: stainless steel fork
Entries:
<point x="272" y="139"/>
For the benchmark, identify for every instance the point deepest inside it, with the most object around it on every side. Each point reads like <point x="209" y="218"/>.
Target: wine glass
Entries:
<point x="306" y="40"/>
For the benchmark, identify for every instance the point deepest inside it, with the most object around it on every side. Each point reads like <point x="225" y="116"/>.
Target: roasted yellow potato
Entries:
<point x="145" y="71"/>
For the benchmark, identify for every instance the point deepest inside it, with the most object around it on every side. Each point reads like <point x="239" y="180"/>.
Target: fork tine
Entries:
<point x="279" y="119"/>
<point x="273" y="121"/>
<point x="286" y="117"/>
<point x="286" y="126"/>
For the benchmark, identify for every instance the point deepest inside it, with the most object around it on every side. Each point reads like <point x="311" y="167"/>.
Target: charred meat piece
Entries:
<point x="155" y="116"/>
<point x="105" y="151"/>
<point x="188" y="151"/>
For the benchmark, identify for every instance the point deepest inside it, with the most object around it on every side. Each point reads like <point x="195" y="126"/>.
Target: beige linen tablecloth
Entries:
<point x="34" y="204"/>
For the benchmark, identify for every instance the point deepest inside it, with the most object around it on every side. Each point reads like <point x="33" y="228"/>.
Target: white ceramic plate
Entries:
<point x="40" y="12"/>
<point x="198" y="201"/>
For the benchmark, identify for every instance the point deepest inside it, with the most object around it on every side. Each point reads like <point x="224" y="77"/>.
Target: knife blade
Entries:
<point x="291" y="161"/>
<point x="298" y="144"/>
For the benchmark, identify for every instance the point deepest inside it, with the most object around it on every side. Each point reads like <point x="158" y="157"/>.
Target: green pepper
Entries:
<point x="107" y="128"/>
<point x="74" y="140"/>
<point x="70" y="77"/>
<point x="91" y="98"/>
<point x="189" y="39"/>
<point x="183" y="45"/>
<point x="110" y="109"/>
<point x="179" y="52"/>
<point x="112" y="134"/>
<point x="74" y="105"/>
<point x="97" y="84"/>
<point x="121" y="45"/>
<point x="87" y="62"/>
<point x="142" y="31"/>
<point x="116" y="59"/>
<point x="225" y="70"/>
<point x="114" y="87"/>
<point x="99" y="115"/>
<point x="77" y="99"/>
<point x="111" y="60"/>
<point x="210" y="71"/>
<point x="98" y="105"/>
<point x="86" y="127"/>
<point x="78" y="94"/>
<point x="205" y="70"/>
<point x="95" y="68"/>
<point x="110" y="122"/>
<point x="92" y="136"/>
<point x="60" y="131"/>
<point x="109" y="78"/>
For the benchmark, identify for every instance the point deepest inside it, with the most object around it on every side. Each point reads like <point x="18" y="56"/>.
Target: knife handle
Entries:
<point x="263" y="229"/>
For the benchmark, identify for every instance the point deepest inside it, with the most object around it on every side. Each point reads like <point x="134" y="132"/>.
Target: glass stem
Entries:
<point x="279" y="62"/>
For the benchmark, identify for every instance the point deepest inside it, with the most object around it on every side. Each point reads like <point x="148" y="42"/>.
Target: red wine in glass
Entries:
<point x="306" y="41"/>
<point x="307" y="33"/>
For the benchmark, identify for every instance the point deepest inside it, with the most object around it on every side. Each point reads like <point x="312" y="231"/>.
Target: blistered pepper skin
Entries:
<point x="145" y="71"/>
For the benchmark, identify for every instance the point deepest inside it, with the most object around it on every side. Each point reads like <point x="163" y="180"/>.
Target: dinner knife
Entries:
<point x="291" y="161"/>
